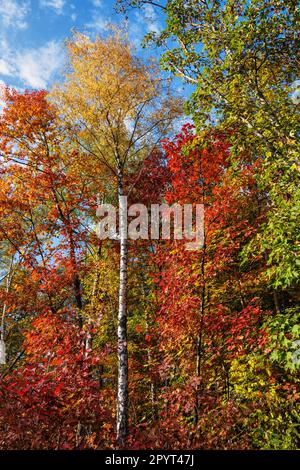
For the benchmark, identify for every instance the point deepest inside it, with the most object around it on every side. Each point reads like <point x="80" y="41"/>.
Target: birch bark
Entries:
<point x="122" y="399"/>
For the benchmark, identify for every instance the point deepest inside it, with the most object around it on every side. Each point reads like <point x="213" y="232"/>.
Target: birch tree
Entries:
<point x="117" y="109"/>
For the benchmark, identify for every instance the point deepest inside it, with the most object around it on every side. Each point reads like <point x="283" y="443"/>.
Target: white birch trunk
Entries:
<point x="122" y="400"/>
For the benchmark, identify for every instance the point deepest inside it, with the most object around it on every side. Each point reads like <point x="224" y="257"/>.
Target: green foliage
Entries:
<point x="284" y="339"/>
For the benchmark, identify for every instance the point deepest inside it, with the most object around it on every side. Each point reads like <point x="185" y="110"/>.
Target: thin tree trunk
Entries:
<point x="75" y="275"/>
<point x="202" y="311"/>
<point x="276" y="302"/>
<point x="9" y="279"/>
<point x="122" y="399"/>
<point x="199" y="348"/>
<point x="8" y="284"/>
<point x="89" y="335"/>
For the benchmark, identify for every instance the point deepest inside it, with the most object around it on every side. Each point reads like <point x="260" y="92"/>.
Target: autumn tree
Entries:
<point x="214" y="343"/>
<point x="43" y="214"/>
<point x="52" y="396"/>
<point x="208" y="338"/>
<point x="117" y="109"/>
<point x="243" y="59"/>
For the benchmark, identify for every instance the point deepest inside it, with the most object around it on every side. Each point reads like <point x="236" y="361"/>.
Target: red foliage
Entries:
<point x="207" y="315"/>
<point x="53" y="400"/>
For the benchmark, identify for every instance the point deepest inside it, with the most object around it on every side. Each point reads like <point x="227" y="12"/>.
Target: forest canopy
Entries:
<point x="141" y="343"/>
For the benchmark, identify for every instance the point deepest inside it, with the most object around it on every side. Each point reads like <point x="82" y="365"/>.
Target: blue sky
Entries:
<point x="32" y="34"/>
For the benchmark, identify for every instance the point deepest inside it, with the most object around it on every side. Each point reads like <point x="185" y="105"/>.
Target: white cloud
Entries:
<point x="5" y="68"/>
<point x="151" y="18"/>
<point x="73" y="16"/>
<point x="146" y="21"/>
<point x="56" y="4"/>
<point x="98" y="23"/>
<point x="136" y="33"/>
<point x="33" y="67"/>
<point x="97" y="3"/>
<point x="13" y="13"/>
<point x="36" y="67"/>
